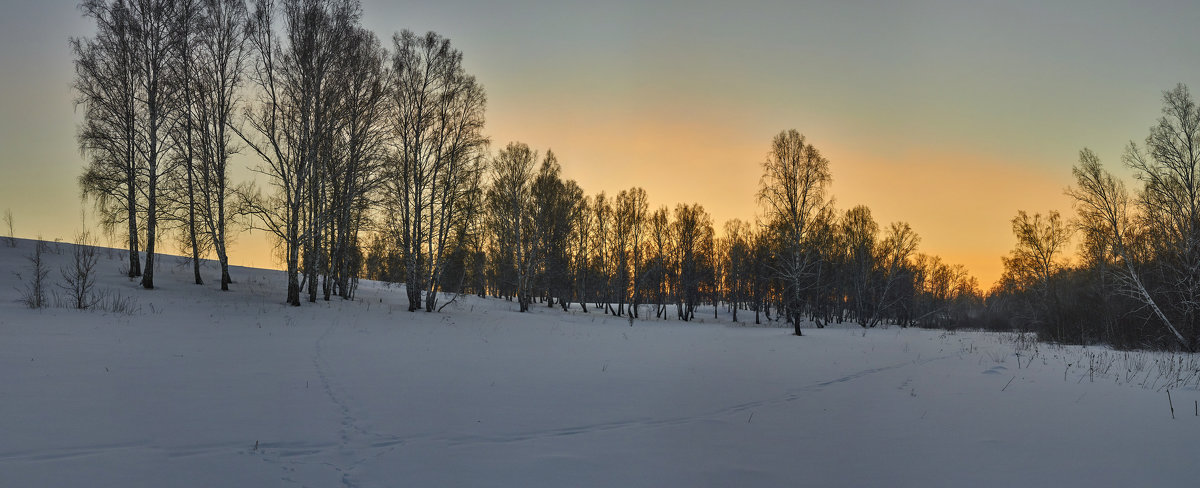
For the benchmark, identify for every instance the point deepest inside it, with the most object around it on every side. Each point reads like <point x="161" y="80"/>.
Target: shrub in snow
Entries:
<point x="34" y="294"/>
<point x="79" y="277"/>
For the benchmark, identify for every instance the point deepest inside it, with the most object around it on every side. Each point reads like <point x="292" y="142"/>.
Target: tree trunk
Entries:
<point x="293" y="250"/>
<point x="135" y="265"/>
<point x="192" y="207"/>
<point x="151" y="213"/>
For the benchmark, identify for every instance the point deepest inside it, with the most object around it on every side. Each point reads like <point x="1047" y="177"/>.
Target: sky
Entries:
<point x="948" y="115"/>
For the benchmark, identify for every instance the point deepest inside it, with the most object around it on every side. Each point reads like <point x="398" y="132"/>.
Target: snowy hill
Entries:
<point x="196" y="387"/>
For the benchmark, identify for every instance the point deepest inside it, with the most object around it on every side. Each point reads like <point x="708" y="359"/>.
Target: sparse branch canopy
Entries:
<point x="107" y="88"/>
<point x="792" y="188"/>
<point x="294" y="123"/>
<point x="349" y="137"/>
<point x="438" y="150"/>
<point x="511" y="210"/>
<point x="1040" y="241"/>
<point x="1103" y="205"/>
<point x="792" y="191"/>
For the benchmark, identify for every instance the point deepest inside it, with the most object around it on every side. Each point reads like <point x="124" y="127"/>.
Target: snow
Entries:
<point x="204" y="388"/>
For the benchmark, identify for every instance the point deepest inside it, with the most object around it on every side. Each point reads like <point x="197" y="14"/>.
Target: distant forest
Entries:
<point x="373" y="164"/>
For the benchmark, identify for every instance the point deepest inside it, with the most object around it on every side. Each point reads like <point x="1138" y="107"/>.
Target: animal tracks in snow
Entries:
<point x="356" y="444"/>
<point x="716" y="415"/>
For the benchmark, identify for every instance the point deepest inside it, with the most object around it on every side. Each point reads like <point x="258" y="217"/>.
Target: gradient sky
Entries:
<point x="949" y="115"/>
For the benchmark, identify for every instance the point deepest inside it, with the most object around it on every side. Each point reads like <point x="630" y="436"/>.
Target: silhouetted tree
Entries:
<point x="511" y="208"/>
<point x="859" y="230"/>
<point x="1035" y="261"/>
<point x="555" y="204"/>
<point x="79" y="277"/>
<point x="892" y="256"/>
<point x="1102" y="203"/>
<point x="693" y="235"/>
<point x="34" y="294"/>
<point x="181" y="193"/>
<point x="582" y="249"/>
<point x="660" y="259"/>
<point x="792" y="190"/>
<point x="8" y="223"/>
<point x="629" y="215"/>
<point x="601" y="260"/>
<point x="357" y="165"/>
<point x="437" y="111"/>
<point x="291" y="123"/>
<point x="106" y="84"/>
<point x="158" y="29"/>
<point x="221" y="53"/>
<point x="738" y="264"/>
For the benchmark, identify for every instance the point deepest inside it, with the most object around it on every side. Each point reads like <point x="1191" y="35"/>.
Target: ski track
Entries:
<point x="278" y="449"/>
<point x="65" y="453"/>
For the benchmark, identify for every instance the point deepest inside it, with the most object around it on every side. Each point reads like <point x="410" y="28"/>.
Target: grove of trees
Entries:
<point x="1135" y="278"/>
<point x="371" y="161"/>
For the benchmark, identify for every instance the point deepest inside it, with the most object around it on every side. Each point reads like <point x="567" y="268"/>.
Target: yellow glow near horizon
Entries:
<point x="949" y="117"/>
<point x="959" y="202"/>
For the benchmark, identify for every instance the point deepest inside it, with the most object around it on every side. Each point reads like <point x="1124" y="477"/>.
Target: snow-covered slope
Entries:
<point x="203" y="388"/>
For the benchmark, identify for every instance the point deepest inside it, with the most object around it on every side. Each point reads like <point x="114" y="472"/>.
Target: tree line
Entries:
<point x="542" y="240"/>
<point x="1134" y="281"/>
<point x="372" y="162"/>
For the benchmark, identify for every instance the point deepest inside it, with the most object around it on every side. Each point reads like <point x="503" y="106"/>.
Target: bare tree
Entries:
<point x="761" y="281"/>
<point x="554" y="205"/>
<point x="8" y="222"/>
<point x="792" y="190"/>
<point x="1034" y="263"/>
<point x="1102" y="203"/>
<point x="34" y="294"/>
<point x="892" y="257"/>
<point x="437" y="111"/>
<point x="79" y="278"/>
<point x="831" y="284"/>
<point x="738" y="267"/>
<point x="220" y="54"/>
<point x="601" y="258"/>
<point x="859" y="232"/>
<point x="1169" y="200"/>
<point x="292" y="122"/>
<point x="511" y="207"/>
<point x="661" y="261"/>
<point x="1040" y="242"/>
<point x="106" y="84"/>
<point x="636" y="211"/>
<point x="360" y="153"/>
<point x="157" y="34"/>
<point x="181" y="193"/>
<point x="629" y="218"/>
<point x="693" y="236"/>
<point x="582" y="249"/>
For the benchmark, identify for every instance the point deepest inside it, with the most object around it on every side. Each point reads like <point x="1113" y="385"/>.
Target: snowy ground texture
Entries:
<point x="203" y="388"/>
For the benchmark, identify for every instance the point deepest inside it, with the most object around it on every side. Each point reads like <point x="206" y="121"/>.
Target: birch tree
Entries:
<point x="106" y="88"/>
<point x="221" y="54"/>
<point x="158" y="31"/>
<point x="437" y="124"/>
<point x="290" y="123"/>
<point x="1102" y="203"/>
<point x="511" y="208"/>
<point x="792" y="190"/>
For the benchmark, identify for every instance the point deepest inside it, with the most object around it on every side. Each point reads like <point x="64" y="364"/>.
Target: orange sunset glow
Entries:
<point x="948" y="117"/>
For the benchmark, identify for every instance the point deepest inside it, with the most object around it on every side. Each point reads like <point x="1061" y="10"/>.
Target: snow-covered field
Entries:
<point x="203" y="388"/>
